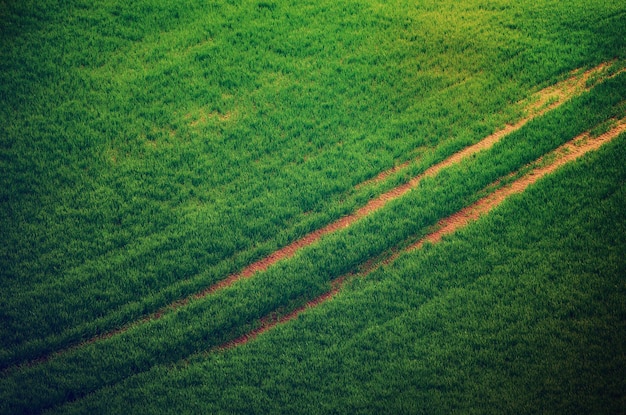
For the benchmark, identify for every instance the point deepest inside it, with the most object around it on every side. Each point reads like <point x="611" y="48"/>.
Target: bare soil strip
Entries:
<point x="542" y="101"/>
<point x="562" y="155"/>
<point x="546" y="99"/>
<point x="273" y="320"/>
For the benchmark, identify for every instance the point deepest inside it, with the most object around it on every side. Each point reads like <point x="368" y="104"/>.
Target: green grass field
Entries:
<point x="522" y="312"/>
<point x="149" y="150"/>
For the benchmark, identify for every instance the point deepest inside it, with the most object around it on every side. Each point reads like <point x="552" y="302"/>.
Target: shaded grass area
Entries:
<point x="150" y="149"/>
<point x="521" y="312"/>
<point x="231" y="312"/>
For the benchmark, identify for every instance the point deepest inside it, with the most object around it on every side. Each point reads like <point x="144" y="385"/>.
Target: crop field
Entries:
<point x="313" y="207"/>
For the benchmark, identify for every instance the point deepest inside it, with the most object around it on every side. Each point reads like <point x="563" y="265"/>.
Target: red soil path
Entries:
<point x="542" y="101"/>
<point x="564" y="154"/>
<point x="558" y="93"/>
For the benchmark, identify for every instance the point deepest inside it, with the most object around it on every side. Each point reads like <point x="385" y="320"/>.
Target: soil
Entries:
<point x="564" y="154"/>
<point x="562" y="91"/>
<point x="543" y="101"/>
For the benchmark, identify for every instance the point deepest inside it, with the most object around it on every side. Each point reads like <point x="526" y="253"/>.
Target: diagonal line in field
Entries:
<point x="566" y="153"/>
<point x="543" y="101"/>
<point x="546" y="100"/>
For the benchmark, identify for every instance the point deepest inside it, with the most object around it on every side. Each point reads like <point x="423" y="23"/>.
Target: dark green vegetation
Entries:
<point x="521" y="312"/>
<point x="233" y="311"/>
<point x="148" y="150"/>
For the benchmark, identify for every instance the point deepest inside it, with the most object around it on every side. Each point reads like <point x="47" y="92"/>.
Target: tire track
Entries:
<point x="545" y="101"/>
<point x="566" y="153"/>
<point x="541" y="102"/>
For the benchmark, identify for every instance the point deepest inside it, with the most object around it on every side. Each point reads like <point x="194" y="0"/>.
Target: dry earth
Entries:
<point x="562" y="155"/>
<point x="541" y="102"/>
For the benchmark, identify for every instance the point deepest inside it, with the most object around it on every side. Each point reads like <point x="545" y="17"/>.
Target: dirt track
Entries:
<point x="545" y="100"/>
<point x="541" y="102"/>
<point x="562" y="155"/>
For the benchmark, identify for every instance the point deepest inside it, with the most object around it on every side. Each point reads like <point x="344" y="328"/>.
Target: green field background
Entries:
<point x="522" y="312"/>
<point x="151" y="149"/>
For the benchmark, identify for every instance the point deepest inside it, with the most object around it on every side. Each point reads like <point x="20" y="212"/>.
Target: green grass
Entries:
<point x="148" y="150"/>
<point x="231" y="312"/>
<point x="521" y="312"/>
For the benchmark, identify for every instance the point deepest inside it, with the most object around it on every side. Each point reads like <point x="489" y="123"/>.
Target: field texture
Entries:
<point x="228" y="207"/>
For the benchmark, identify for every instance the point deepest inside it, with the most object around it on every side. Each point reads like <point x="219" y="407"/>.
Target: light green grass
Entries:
<point x="151" y="149"/>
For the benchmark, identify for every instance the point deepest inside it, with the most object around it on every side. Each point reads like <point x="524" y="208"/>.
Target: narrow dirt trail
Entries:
<point x="566" y="153"/>
<point x="540" y="103"/>
<point x="545" y="100"/>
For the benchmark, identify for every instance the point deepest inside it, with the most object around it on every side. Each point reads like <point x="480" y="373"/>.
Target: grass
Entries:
<point x="149" y="150"/>
<point x="520" y="312"/>
<point x="233" y="311"/>
<point x="142" y="164"/>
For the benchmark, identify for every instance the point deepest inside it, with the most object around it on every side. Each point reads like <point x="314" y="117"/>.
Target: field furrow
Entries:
<point x="312" y="207"/>
<point x="566" y="153"/>
<point x="538" y="104"/>
<point x="241" y="310"/>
